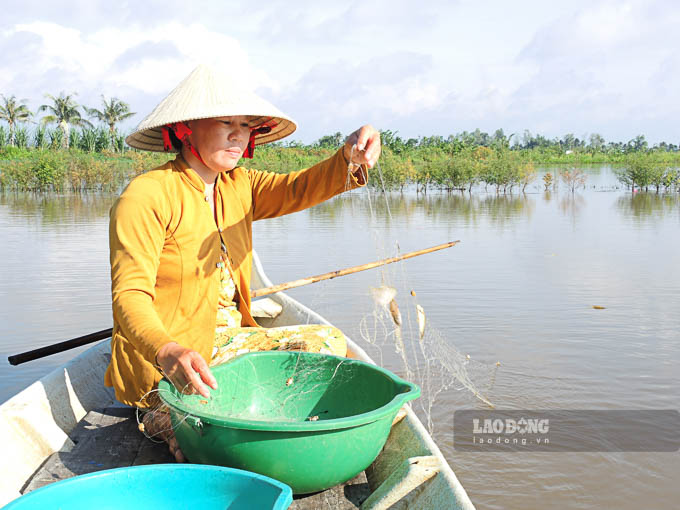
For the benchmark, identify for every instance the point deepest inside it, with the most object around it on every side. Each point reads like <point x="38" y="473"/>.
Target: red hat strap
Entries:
<point x="181" y="131"/>
<point x="261" y="130"/>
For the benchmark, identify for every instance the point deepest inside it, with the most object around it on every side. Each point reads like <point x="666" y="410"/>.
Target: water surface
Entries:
<point x="519" y="289"/>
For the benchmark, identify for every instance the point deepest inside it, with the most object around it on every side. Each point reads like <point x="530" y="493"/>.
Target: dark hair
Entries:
<point x="176" y="142"/>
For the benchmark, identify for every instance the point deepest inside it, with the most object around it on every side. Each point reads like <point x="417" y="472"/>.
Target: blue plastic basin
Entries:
<point x="164" y="486"/>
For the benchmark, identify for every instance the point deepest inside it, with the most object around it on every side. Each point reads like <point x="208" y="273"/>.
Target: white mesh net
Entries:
<point x="398" y="325"/>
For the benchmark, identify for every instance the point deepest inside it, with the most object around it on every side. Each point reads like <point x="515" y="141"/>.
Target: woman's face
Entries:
<point x="220" y="141"/>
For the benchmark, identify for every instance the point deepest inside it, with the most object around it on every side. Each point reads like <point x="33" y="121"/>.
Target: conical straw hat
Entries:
<point x="207" y="92"/>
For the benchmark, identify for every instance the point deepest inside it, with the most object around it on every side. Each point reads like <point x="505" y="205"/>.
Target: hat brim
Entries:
<point x="151" y="138"/>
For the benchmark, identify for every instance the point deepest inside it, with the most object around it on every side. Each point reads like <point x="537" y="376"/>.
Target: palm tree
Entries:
<point x="14" y="111"/>
<point x="64" y="112"/>
<point x="112" y="113"/>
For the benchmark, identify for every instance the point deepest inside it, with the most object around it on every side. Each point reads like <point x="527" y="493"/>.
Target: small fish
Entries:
<point x="394" y="311"/>
<point x="202" y="401"/>
<point x="141" y="428"/>
<point x="413" y="293"/>
<point x="313" y="418"/>
<point x="421" y="320"/>
<point x="598" y="307"/>
<point x="398" y="341"/>
<point x="289" y="381"/>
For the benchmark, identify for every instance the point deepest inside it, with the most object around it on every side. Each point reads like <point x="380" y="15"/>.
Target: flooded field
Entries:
<point x="519" y="289"/>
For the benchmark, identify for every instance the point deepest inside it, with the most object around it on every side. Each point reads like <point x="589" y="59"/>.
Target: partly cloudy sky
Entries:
<point x="419" y="68"/>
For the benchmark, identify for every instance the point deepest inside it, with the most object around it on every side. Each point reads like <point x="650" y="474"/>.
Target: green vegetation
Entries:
<point x="74" y="155"/>
<point x="464" y="160"/>
<point x="43" y="170"/>
<point x="113" y="112"/>
<point x="501" y="169"/>
<point x="13" y="112"/>
<point x="573" y="178"/>
<point x="547" y="181"/>
<point x="650" y="169"/>
<point x="63" y="112"/>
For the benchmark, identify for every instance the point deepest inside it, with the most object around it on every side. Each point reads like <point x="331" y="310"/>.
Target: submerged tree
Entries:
<point x="573" y="178"/>
<point x="547" y="180"/>
<point x="64" y="113"/>
<point x="113" y="112"/>
<point x="13" y="111"/>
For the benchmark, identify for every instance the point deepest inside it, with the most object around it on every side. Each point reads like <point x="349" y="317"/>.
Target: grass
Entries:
<point x="502" y="169"/>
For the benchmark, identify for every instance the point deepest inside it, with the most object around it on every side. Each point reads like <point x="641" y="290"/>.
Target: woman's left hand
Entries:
<point x="367" y="150"/>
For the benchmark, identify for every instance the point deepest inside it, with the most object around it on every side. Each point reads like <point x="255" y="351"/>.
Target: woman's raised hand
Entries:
<point x="367" y="141"/>
<point x="186" y="369"/>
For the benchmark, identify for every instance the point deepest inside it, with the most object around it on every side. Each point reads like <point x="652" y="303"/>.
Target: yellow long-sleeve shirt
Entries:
<point x="165" y="249"/>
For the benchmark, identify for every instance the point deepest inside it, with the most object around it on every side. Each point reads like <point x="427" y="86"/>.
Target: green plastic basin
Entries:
<point x="309" y="420"/>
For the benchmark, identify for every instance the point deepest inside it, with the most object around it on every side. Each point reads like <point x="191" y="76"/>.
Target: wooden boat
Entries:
<point x="68" y="423"/>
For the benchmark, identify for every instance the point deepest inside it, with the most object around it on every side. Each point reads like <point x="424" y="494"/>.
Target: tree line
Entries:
<point x="499" y="168"/>
<point x="65" y="113"/>
<point x="568" y="144"/>
<point x="504" y="163"/>
<point x="39" y="159"/>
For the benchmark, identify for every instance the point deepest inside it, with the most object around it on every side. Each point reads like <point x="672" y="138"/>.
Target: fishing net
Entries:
<point x="401" y="336"/>
<point x="397" y="332"/>
<point x="281" y="387"/>
<point x="276" y="388"/>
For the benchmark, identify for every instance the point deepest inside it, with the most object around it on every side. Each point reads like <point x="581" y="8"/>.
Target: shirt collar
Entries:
<point x="191" y="177"/>
<point x="188" y="173"/>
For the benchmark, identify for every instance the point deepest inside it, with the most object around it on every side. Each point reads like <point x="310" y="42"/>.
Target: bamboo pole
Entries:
<point x="100" y="335"/>
<point x="342" y="272"/>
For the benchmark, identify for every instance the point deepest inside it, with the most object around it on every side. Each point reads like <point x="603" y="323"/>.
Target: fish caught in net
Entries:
<point x="426" y="357"/>
<point x="397" y="332"/>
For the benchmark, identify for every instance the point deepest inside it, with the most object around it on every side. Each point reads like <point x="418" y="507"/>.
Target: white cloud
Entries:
<point x="432" y="68"/>
<point x="105" y="61"/>
<point x="595" y="69"/>
<point x="341" y="95"/>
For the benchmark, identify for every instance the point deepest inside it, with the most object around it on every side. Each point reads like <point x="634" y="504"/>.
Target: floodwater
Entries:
<point x="519" y="289"/>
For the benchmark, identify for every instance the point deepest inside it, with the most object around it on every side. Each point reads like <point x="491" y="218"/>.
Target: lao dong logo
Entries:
<point x="510" y="426"/>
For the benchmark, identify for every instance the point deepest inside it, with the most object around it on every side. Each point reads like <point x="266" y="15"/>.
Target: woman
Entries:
<point x="181" y="236"/>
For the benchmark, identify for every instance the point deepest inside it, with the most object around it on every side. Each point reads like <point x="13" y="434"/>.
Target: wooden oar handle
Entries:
<point x="48" y="350"/>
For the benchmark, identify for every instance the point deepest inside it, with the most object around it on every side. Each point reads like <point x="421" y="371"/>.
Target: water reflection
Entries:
<point x="501" y="208"/>
<point x="496" y="209"/>
<point x="571" y="204"/>
<point x="55" y="209"/>
<point x="648" y="206"/>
